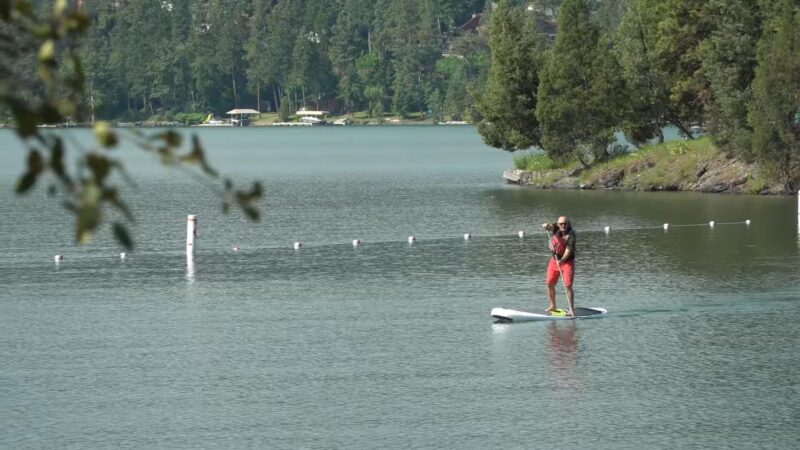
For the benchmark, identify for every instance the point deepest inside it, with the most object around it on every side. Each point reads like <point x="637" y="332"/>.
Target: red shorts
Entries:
<point x="567" y="268"/>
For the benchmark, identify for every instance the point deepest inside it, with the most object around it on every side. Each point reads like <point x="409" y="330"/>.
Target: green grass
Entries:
<point x="670" y="163"/>
<point x="534" y="162"/>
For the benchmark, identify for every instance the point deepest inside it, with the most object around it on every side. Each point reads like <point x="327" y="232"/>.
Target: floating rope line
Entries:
<point x="667" y="226"/>
<point x="412" y="240"/>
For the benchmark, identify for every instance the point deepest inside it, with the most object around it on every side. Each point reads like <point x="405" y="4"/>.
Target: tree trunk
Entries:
<point x="235" y="95"/>
<point x="258" y="97"/>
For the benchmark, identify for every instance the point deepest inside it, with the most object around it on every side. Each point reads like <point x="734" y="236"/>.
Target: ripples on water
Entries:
<point x="390" y="345"/>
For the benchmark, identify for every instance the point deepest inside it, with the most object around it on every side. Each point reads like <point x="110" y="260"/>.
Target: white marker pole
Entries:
<point x="191" y="234"/>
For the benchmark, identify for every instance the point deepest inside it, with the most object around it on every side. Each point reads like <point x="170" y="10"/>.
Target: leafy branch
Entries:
<point x="54" y="96"/>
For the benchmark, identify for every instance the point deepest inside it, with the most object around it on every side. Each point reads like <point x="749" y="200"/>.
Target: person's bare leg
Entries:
<point x="551" y="295"/>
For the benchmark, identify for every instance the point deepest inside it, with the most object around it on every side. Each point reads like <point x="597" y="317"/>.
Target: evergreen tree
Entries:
<point x="509" y="103"/>
<point x="657" y="45"/>
<point x="256" y="50"/>
<point x="576" y="92"/>
<point x="729" y="61"/>
<point x="285" y="19"/>
<point x="347" y="45"/>
<point x="775" y="108"/>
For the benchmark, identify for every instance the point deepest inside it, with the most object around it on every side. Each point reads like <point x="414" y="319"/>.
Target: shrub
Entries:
<point x="190" y="118"/>
<point x="534" y="162"/>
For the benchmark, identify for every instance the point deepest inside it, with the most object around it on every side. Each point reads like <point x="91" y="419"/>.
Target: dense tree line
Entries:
<point x="729" y="67"/>
<point x="145" y="57"/>
<point x="561" y="75"/>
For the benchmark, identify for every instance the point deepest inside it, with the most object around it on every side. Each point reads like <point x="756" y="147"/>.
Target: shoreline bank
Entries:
<point x="696" y="166"/>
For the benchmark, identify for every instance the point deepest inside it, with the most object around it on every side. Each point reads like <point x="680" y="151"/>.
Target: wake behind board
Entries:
<point x="503" y="315"/>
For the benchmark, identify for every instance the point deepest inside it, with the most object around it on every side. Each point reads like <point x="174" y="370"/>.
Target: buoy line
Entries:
<point x="413" y="240"/>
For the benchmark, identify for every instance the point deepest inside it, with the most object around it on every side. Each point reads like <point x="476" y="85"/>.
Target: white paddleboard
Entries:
<point x="503" y="315"/>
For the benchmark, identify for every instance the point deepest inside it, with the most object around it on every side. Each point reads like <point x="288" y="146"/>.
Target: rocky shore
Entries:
<point x="715" y="173"/>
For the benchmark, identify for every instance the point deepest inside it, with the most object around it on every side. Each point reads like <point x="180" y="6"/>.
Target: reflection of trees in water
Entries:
<point x="562" y="339"/>
<point x="692" y="250"/>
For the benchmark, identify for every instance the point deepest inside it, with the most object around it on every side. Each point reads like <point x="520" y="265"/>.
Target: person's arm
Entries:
<point x="569" y="247"/>
<point x="550" y="228"/>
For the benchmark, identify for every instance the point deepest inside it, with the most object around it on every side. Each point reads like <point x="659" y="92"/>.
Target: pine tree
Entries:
<point x="728" y="65"/>
<point x="348" y="43"/>
<point x="509" y="103"/>
<point x="576" y="107"/>
<point x="657" y="45"/>
<point x="775" y="108"/>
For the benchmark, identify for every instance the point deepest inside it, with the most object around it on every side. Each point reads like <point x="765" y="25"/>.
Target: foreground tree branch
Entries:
<point x="42" y="83"/>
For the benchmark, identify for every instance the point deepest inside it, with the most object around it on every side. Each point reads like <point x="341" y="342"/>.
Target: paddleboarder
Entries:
<point x="562" y="261"/>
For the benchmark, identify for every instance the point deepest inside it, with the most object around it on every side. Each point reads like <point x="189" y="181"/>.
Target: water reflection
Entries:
<point x="189" y="268"/>
<point x="562" y="339"/>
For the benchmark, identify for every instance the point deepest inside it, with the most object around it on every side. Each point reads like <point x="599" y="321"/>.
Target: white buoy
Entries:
<point x="123" y="255"/>
<point x="747" y="222"/>
<point x="711" y="224"/>
<point x="521" y="233"/>
<point x="467" y="236"/>
<point x="666" y="226"/>
<point x="607" y="230"/>
<point x="356" y="242"/>
<point x="191" y="233"/>
<point x="297" y="245"/>
<point x="58" y="258"/>
<point x="236" y="249"/>
<point x="411" y="239"/>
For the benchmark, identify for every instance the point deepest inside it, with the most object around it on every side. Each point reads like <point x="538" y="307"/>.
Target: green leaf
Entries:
<point x="122" y="236"/>
<point x="99" y="165"/>
<point x="251" y="212"/>
<point x="47" y="52"/>
<point x="104" y="134"/>
<point x="172" y="138"/>
<point x="57" y="162"/>
<point x="112" y="196"/>
<point x="89" y="214"/>
<point x="25" y="117"/>
<point x="35" y="162"/>
<point x="59" y="6"/>
<point x="199" y="155"/>
<point x="26" y="182"/>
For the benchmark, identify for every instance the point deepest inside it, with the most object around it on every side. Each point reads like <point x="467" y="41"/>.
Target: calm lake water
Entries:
<point x="390" y="345"/>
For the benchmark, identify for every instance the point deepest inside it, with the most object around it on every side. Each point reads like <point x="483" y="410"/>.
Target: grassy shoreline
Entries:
<point x="695" y="165"/>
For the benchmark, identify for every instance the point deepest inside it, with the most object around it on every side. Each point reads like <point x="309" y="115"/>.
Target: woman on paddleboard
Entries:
<point x="562" y="262"/>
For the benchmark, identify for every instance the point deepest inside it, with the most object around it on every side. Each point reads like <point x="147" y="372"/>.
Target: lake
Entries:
<point x="390" y="344"/>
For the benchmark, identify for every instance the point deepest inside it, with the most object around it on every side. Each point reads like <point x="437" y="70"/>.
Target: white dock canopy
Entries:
<point x="305" y="113"/>
<point x="242" y="111"/>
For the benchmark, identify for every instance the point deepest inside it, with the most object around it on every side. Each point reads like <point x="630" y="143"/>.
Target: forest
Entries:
<point x="562" y="76"/>
<point x="401" y="57"/>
